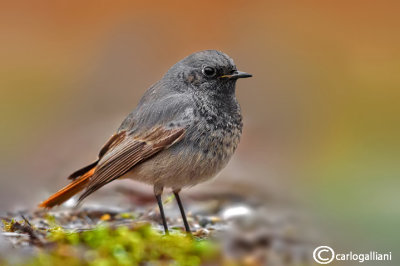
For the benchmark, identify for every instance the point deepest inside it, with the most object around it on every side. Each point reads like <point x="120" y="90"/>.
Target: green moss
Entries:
<point x="124" y="246"/>
<point x="12" y="225"/>
<point x="53" y="226"/>
<point x="126" y="215"/>
<point x="8" y="226"/>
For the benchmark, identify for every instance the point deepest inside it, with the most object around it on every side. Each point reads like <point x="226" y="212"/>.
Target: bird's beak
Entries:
<point x="237" y="75"/>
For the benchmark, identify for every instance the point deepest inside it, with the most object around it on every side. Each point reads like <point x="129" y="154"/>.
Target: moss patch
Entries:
<point x="105" y="245"/>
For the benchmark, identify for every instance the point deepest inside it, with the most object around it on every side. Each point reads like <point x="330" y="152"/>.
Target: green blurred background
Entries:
<point x="321" y="113"/>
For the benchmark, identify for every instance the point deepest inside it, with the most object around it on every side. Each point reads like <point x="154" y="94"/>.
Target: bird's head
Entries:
<point x="209" y="71"/>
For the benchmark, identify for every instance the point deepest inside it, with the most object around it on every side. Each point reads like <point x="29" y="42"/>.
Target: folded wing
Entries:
<point x="128" y="150"/>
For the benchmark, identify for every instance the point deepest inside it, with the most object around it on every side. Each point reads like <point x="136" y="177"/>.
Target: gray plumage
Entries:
<point x="208" y="110"/>
<point x="184" y="130"/>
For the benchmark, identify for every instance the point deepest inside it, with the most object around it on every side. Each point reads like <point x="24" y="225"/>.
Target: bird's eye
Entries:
<point x="209" y="71"/>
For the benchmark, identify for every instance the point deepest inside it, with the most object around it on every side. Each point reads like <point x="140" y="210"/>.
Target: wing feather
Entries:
<point x="128" y="150"/>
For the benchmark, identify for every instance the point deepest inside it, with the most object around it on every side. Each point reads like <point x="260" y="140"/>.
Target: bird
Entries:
<point x="183" y="131"/>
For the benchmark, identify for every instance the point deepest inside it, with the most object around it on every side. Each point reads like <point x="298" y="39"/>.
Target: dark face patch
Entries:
<point x="204" y="69"/>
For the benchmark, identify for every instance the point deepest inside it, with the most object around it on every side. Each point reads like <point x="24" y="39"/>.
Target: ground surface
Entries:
<point x="227" y="230"/>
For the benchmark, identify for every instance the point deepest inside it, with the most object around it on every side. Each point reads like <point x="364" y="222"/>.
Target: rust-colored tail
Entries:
<point x="68" y="191"/>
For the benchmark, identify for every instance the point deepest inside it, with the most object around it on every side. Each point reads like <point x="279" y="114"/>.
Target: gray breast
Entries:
<point x="212" y="138"/>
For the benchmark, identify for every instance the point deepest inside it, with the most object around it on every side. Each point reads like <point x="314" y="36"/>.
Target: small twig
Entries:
<point x="27" y="228"/>
<point x="26" y="220"/>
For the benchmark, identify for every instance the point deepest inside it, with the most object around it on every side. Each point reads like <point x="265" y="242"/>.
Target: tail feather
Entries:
<point x="83" y="170"/>
<point x="68" y="191"/>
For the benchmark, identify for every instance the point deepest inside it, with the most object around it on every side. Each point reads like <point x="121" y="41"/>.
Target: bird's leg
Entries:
<point x="178" y="199"/>
<point x="158" y="193"/>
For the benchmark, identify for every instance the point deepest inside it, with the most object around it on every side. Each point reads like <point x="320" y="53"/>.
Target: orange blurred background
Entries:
<point x="321" y="113"/>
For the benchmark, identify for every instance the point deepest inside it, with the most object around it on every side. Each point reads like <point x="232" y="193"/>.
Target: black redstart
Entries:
<point x="184" y="130"/>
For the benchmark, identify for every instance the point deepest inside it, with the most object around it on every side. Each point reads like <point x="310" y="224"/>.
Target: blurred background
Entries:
<point x="321" y="114"/>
